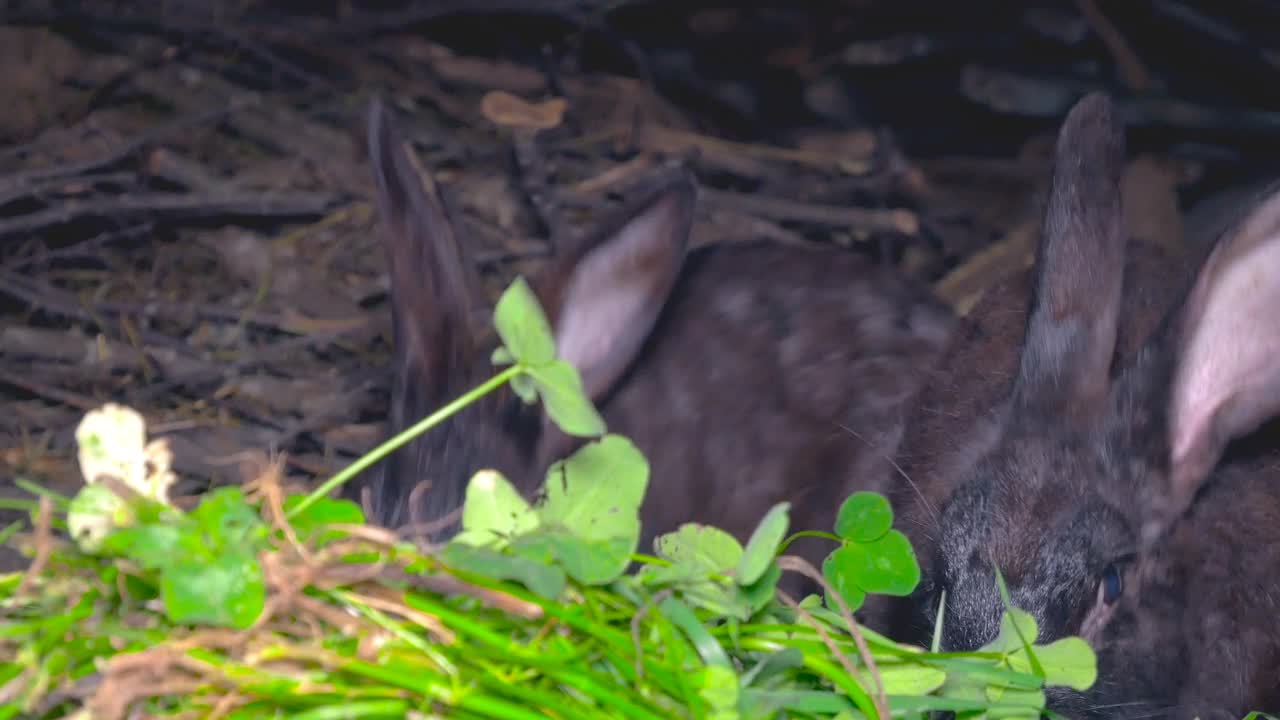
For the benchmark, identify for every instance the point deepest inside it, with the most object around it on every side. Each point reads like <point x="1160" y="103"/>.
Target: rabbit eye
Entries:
<point x="1112" y="584"/>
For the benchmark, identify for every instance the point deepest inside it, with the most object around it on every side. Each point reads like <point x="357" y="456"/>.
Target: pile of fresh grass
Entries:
<point x="259" y="603"/>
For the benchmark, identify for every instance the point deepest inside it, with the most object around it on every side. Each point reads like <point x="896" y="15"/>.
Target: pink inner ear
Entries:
<point x="616" y="291"/>
<point x="1229" y="369"/>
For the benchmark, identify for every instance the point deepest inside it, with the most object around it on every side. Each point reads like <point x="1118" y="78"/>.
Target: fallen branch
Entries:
<point x="870" y="219"/>
<point x="173" y="205"/>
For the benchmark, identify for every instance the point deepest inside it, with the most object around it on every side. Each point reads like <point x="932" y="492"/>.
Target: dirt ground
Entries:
<point x="185" y="218"/>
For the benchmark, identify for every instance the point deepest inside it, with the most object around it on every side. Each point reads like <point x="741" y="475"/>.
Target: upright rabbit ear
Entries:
<point x="1071" y="326"/>
<point x="430" y="278"/>
<point x="1227" y="376"/>
<point x="606" y="298"/>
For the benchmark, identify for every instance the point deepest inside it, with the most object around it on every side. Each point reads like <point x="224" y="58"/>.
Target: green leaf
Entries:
<point x="893" y="569"/>
<point x="1068" y="661"/>
<point x="592" y="505"/>
<point x="493" y="511"/>
<point x="763" y="545"/>
<point x="525" y="388"/>
<point x="545" y="580"/>
<point x="842" y="569"/>
<point x="697" y="552"/>
<point x="94" y="513"/>
<point x="886" y="566"/>
<point x="762" y="590"/>
<point x="523" y="326"/>
<point x="537" y="545"/>
<point x="225" y="590"/>
<point x="704" y="642"/>
<point x="502" y="356"/>
<point x="787" y="658"/>
<point x="151" y="546"/>
<point x="986" y="672"/>
<point x="905" y="678"/>
<point x="1015" y="696"/>
<point x="565" y="399"/>
<point x="325" y="511"/>
<point x="718" y="685"/>
<point x="1008" y="639"/>
<point x="759" y="704"/>
<point x="719" y="598"/>
<point x="229" y="521"/>
<point x="864" y="517"/>
<point x="596" y="492"/>
<point x="700" y="550"/>
<point x="963" y="686"/>
<point x="1026" y="639"/>
<point x="976" y="707"/>
<point x="595" y="561"/>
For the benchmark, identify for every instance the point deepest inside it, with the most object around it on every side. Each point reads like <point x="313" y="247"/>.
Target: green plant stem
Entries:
<point x="9" y="530"/>
<point x="838" y="677"/>
<point x="60" y="501"/>
<point x="782" y="549"/>
<point x="618" y="641"/>
<point x="360" y="709"/>
<point x="404" y="437"/>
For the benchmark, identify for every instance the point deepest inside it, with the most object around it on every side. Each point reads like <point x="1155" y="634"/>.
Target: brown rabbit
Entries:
<point x="1078" y="437"/>
<point x="748" y="374"/>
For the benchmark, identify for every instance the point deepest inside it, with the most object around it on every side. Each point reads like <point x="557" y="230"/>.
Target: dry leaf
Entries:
<point x="503" y="108"/>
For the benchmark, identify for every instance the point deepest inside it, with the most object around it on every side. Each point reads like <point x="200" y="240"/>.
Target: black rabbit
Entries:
<point x="1079" y="437"/>
<point x="748" y="374"/>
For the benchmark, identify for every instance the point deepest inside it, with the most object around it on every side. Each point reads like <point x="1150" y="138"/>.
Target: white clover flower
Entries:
<point x="112" y="443"/>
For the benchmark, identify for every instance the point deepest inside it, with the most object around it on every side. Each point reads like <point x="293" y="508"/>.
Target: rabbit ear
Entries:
<point x="430" y="278"/>
<point x="1071" y="327"/>
<point x="609" y="295"/>
<point x="1227" y="376"/>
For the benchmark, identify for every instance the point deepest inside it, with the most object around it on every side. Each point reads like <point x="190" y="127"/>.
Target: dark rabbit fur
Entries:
<point x="748" y="374"/>
<point x="1106" y="447"/>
